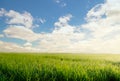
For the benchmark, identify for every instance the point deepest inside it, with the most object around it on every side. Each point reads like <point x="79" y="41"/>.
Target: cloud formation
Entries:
<point x="100" y="33"/>
<point x="15" y="18"/>
<point x="13" y="47"/>
<point x="19" y="25"/>
<point x="20" y="32"/>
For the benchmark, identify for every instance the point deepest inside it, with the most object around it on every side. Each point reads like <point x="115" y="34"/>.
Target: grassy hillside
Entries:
<point x="59" y="67"/>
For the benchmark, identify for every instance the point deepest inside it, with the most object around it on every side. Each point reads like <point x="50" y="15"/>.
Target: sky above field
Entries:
<point x="81" y="26"/>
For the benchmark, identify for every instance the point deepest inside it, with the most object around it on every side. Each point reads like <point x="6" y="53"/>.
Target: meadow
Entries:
<point x="59" y="67"/>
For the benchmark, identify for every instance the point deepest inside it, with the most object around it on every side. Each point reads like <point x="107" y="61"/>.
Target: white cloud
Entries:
<point x="16" y="18"/>
<point x="1" y="35"/>
<point x="20" y="25"/>
<point x="62" y="25"/>
<point x="28" y="44"/>
<point x="103" y="24"/>
<point x="63" y="36"/>
<point x="20" y="32"/>
<point x="96" y="12"/>
<point x="101" y="33"/>
<point x="8" y="47"/>
<point x="64" y="20"/>
<point x="21" y="19"/>
<point x="12" y="47"/>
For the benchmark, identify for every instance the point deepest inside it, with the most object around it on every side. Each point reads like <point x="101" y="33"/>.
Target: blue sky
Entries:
<point x="50" y="10"/>
<point x="43" y="24"/>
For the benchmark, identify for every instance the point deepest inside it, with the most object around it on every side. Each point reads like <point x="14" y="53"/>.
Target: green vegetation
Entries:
<point x="59" y="67"/>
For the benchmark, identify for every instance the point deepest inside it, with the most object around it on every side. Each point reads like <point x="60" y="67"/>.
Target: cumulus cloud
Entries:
<point x="16" y="18"/>
<point x="62" y="25"/>
<point x="101" y="32"/>
<point x="20" y="25"/>
<point x="103" y="21"/>
<point x="20" y="32"/>
<point x="103" y="24"/>
<point x="63" y="36"/>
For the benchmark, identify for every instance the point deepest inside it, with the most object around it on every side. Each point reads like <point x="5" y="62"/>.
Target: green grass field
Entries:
<point x="59" y="67"/>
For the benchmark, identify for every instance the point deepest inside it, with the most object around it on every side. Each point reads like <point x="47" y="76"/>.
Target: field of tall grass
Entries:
<point x="59" y="67"/>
